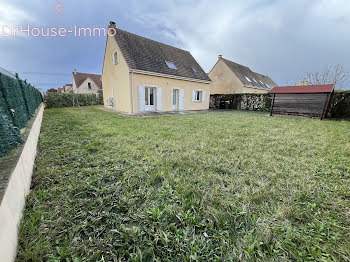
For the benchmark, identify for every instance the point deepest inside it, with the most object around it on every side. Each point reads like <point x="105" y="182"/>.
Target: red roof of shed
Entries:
<point x="302" y="89"/>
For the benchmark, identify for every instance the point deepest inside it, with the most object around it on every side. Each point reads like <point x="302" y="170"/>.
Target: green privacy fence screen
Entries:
<point x="18" y="102"/>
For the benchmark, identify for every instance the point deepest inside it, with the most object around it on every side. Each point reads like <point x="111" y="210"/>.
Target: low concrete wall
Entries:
<point x="15" y="174"/>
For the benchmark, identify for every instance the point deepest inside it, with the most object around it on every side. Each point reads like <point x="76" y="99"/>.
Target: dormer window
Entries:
<point x="115" y="58"/>
<point x="171" y="65"/>
<point x="89" y="85"/>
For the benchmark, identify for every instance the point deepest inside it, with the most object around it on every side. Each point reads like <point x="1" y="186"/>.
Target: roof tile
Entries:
<point x="79" y="78"/>
<point x="145" y="54"/>
<point x="302" y="89"/>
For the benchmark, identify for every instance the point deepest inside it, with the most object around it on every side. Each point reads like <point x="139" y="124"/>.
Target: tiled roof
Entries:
<point x="79" y="78"/>
<point x="249" y="77"/>
<point x="148" y="55"/>
<point x="302" y="89"/>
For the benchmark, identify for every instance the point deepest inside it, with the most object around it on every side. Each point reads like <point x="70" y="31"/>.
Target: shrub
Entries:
<point x="255" y="102"/>
<point x="340" y="105"/>
<point x="57" y="100"/>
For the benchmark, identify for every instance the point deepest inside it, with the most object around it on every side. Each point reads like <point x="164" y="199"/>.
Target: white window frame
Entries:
<point x="115" y="60"/>
<point x="177" y="98"/>
<point x="198" y="96"/>
<point x="171" y="65"/>
<point x="156" y="101"/>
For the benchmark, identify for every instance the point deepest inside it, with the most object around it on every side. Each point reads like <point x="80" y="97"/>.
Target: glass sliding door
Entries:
<point x="150" y="104"/>
<point x="175" y="99"/>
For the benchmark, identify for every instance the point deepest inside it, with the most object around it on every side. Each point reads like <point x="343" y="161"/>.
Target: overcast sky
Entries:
<point x="280" y="38"/>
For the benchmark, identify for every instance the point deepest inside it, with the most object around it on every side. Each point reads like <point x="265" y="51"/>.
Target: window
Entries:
<point x="149" y="96"/>
<point x="89" y="85"/>
<point x="248" y="79"/>
<point x="171" y="65"/>
<point x="175" y="91"/>
<point x="268" y="86"/>
<point x="115" y="58"/>
<point x="255" y="80"/>
<point x="194" y="69"/>
<point x="198" y="96"/>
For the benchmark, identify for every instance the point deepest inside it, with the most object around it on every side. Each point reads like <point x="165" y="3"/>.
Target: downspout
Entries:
<point x="131" y="93"/>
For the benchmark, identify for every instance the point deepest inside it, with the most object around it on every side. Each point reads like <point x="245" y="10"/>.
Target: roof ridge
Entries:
<point x="153" y="40"/>
<point x="86" y="73"/>
<point x="237" y="64"/>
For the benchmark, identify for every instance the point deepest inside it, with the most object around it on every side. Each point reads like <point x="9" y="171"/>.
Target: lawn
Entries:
<point x="220" y="186"/>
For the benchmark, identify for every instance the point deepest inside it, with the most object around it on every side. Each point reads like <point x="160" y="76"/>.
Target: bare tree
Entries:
<point x="329" y="75"/>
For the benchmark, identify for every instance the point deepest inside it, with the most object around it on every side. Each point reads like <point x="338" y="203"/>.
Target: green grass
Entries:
<point x="220" y="186"/>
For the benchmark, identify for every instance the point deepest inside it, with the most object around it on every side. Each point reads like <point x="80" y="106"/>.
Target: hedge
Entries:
<point x="339" y="108"/>
<point x="340" y="105"/>
<point x="255" y="102"/>
<point x="57" y="100"/>
<point x="18" y="102"/>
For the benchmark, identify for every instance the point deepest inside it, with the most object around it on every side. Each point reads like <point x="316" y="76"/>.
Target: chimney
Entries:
<point x="75" y="71"/>
<point x="112" y="24"/>
<point x="220" y="56"/>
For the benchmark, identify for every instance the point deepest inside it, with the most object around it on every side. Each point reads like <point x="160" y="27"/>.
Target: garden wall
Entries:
<point x="54" y="100"/>
<point x="18" y="103"/>
<point x="15" y="178"/>
<point x="340" y="104"/>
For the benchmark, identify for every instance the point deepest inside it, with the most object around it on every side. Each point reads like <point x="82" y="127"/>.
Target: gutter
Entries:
<point x="169" y="76"/>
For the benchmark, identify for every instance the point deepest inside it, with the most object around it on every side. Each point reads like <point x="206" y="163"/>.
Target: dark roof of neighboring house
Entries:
<point x="79" y="78"/>
<point x="148" y="55"/>
<point x="302" y="89"/>
<point x="256" y="80"/>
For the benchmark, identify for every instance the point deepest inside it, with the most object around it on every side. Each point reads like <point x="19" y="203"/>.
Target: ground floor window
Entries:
<point x="149" y="96"/>
<point x="198" y="96"/>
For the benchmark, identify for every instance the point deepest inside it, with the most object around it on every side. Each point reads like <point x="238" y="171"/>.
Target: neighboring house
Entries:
<point x="65" y="89"/>
<point x="230" y="78"/>
<point x="86" y="83"/>
<point x="140" y="74"/>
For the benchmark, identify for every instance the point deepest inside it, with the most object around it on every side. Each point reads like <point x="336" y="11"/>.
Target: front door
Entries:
<point x="175" y="99"/>
<point x="150" y="93"/>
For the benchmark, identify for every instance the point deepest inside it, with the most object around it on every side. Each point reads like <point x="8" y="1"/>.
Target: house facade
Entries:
<point x="141" y="75"/>
<point x="229" y="78"/>
<point x="84" y="83"/>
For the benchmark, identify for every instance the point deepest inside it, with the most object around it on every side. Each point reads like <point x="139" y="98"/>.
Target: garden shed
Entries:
<point x="304" y="101"/>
